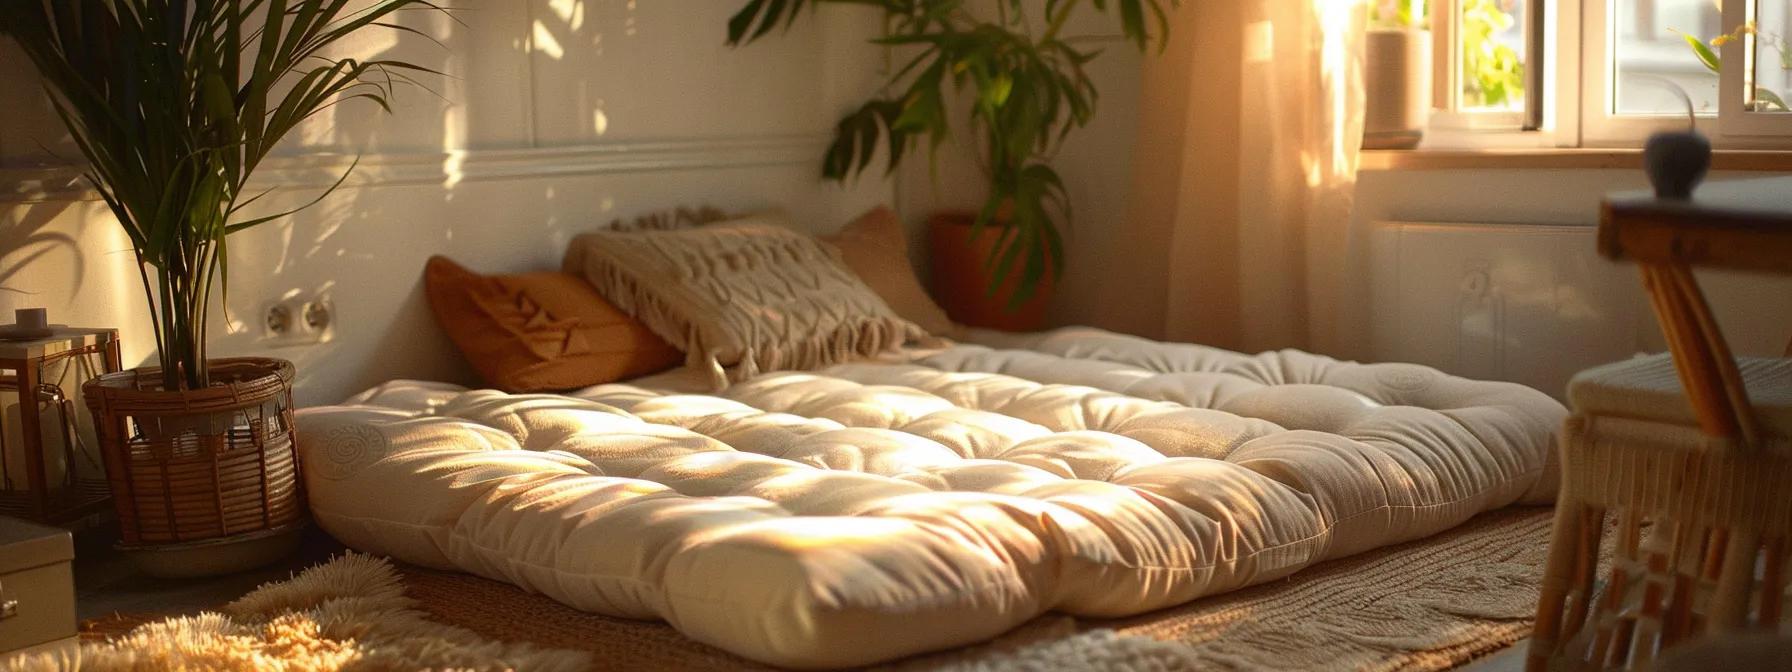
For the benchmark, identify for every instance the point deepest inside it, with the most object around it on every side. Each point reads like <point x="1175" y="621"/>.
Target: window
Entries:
<point x="1772" y="58"/>
<point x="1757" y="39"/>
<point x="1492" y="68"/>
<point x="1603" y="73"/>
<point x="1650" y="53"/>
<point x="1495" y="66"/>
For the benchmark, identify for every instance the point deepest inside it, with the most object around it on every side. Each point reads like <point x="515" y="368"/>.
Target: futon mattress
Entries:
<point x="873" y="510"/>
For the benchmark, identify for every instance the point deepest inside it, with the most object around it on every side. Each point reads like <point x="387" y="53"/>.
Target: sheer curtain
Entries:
<point x="1249" y="134"/>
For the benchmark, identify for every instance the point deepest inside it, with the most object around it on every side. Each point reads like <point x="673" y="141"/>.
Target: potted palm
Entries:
<point x="1025" y="83"/>
<point x="174" y="104"/>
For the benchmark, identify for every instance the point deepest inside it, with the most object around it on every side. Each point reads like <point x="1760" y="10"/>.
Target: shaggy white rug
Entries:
<point x="350" y="613"/>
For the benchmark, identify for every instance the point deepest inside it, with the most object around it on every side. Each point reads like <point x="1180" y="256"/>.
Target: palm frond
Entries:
<point x="173" y="117"/>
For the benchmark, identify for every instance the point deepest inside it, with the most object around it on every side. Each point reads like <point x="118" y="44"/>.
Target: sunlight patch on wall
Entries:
<point x="546" y="44"/>
<point x="571" y="12"/>
<point x="451" y="168"/>
<point x="1260" y="42"/>
<point x="1340" y="29"/>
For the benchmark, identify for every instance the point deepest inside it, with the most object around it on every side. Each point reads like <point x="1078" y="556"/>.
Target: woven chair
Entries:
<point x="1682" y="459"/>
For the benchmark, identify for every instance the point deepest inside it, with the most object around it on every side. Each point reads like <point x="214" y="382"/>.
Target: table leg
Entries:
<point x="31" y="434"/>
<point x="114" y="361"/>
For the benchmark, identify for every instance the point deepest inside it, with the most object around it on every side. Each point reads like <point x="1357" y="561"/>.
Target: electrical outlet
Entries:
<point x="318" y="317"/>
<point x="298" y="320"/>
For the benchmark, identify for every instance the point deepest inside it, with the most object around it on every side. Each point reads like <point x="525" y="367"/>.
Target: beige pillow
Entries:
<point x="740" y="297"/>
<point x="875" y="247"/>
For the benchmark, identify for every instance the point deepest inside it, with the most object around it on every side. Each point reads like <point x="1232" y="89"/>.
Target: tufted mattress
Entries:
<point x="874" y="510"/>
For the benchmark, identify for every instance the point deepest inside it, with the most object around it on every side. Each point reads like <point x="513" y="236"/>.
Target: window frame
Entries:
<point x="1576" y="47"/>
<point x="1548" y="120"/>
<point x="1600" y="125"/>
<point x="1736" y="126"/>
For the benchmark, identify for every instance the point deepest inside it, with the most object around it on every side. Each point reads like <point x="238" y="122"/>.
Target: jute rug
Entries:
<point x="1426" y="605"/>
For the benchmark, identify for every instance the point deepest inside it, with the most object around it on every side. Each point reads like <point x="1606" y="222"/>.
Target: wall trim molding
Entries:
<point x="62" y="181"/>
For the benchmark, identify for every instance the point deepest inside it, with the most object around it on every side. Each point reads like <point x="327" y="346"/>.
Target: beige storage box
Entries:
<point x="37" y="588"/>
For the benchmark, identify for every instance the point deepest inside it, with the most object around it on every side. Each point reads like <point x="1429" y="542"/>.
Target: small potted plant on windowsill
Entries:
<point x="1764" y="99"/>
<point x="174" y="105"/>
<point x="1396" y="75"/>
<point x="1024" y="81"/>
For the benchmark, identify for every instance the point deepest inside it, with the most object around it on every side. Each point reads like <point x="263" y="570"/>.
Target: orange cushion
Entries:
<point x="536" y="332"/>
<point x="875" y="247"/>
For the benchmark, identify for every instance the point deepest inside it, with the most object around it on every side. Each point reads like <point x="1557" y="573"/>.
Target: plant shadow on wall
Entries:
<point x="323" y="254"/>
<point x="28" y="206"/>
<point x="26" y="238"/>
<point x="1028" y="90"/>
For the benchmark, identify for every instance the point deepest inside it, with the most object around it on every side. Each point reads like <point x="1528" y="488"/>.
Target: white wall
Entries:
<point x="560" y="115"/>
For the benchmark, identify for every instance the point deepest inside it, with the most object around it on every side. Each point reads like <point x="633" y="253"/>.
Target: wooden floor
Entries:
<point x="107" y="583"/>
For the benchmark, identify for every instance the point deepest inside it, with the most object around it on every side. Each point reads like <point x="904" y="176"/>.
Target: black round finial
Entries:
<point x="1676" y="161"/>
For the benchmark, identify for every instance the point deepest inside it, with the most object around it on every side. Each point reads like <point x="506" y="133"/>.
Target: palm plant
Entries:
<point x="1028" y="90"/>
<point x="175" y="103"/>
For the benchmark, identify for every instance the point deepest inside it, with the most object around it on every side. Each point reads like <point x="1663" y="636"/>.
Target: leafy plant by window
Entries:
<point x="175" y="103"/>
<point x="1027" y="87"/>
<point x="1493" y="75"/>
<point x="1765" y="98"/>
<point x="1398" y="14"/>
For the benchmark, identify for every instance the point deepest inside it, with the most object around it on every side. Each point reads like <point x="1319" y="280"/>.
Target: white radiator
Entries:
<point x="1534" y="304"/>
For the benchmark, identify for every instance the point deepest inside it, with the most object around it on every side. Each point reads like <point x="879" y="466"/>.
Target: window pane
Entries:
<point x="1773" y="57"/>
<point x="1651" y="48"/>
<point x="1493" y="49"/>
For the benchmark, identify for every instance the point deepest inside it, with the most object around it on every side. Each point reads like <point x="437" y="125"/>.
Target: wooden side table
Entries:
<point x="26" y="360"/>
<point x="1695" y="447"/>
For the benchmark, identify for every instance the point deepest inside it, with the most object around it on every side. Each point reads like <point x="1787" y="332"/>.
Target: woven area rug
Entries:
<point x="1426" y="605"/>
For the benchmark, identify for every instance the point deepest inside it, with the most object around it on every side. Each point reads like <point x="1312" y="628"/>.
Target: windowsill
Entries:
<point x="1557" y="159"/>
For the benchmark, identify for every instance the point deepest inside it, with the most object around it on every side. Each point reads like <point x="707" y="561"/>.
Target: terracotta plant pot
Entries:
<point x="961" y="277"/>
<point x="203" y="481"/>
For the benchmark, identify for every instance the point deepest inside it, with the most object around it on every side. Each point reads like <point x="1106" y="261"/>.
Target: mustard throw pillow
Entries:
<point x="538" y="332"/>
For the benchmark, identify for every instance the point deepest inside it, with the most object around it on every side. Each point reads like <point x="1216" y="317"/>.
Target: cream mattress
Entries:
<point x="874" y="510"/>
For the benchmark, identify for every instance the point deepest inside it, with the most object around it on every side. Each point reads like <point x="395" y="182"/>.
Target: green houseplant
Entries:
<point x="174" y="104"/>
<point x="1766" y="100"/>
<point x="1027" y="89"/>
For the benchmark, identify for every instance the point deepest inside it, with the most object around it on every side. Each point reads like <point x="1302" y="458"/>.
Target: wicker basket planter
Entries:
<point x="200" y="468"/>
